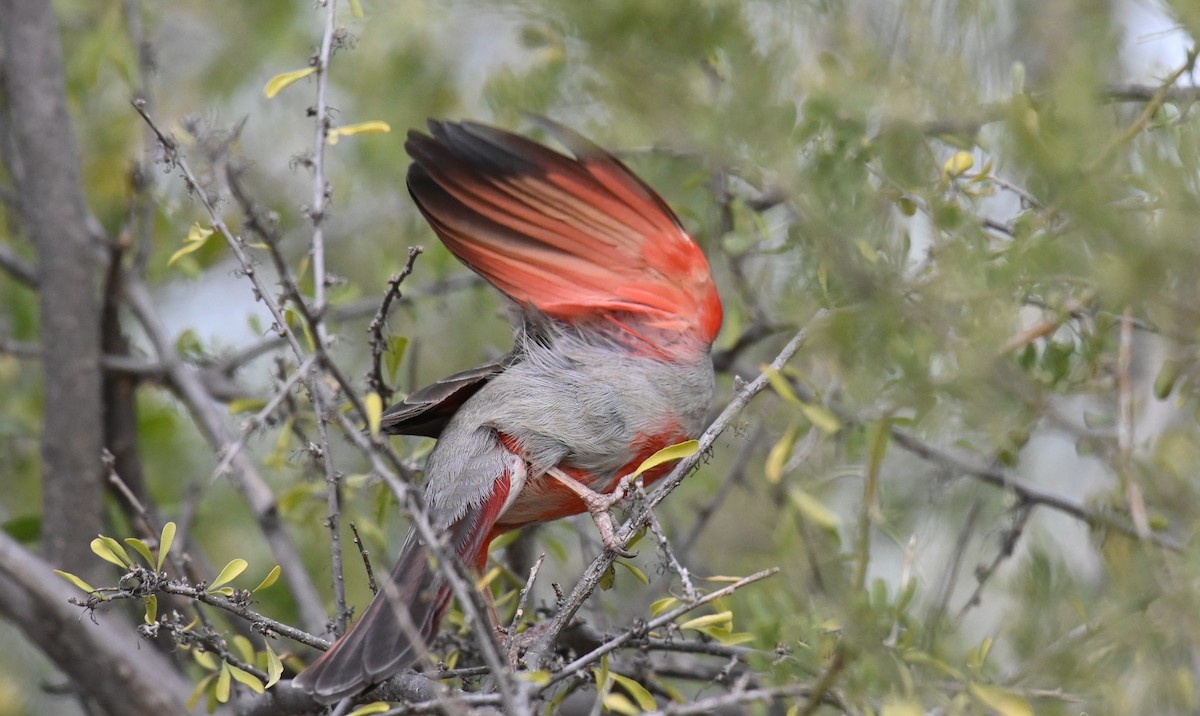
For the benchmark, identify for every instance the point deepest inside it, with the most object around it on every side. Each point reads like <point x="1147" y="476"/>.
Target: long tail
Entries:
<point x="404" y="616"/>
<point x="390" y="635"/>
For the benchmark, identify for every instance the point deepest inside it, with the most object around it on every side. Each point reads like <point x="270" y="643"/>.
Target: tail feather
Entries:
<point x="404" y="616"/>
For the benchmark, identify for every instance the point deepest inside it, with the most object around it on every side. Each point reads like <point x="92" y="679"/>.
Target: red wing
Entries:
<point x="574" y="237"/>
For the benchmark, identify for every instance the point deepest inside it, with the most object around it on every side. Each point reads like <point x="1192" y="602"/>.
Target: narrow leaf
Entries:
<point x="661" y="605"/>
<point x="151" y="603"/>
<point x="668" y="454"/>
<point x="276" y="84"/>
<point x="779" y="454"/>
<point x="164" y="544"/>
<point x="374" y="406"/>
<point x="79" y="583"/>
<point x="375" y="708"/>
<point x="1000" y="700"/>
<point x="539" y="677"/>
<point x="708" y="620"/>
<point x="269" y="579"/>
<point x="230" y="573"/>
<point x="637" y="573"/>
<point x="619" y="704"/>
<point x="822" y="417"/>
<point x="245" y="677"/>
<point x="244" y="647"/>
<point x="644" y="699"/>
<point x="224" y="683"/>
<point x="199" y="691"/>
<point x="274" y="667"/>
<point x="814" y="510"/>
<point x="101" y="548"/>
<point x="360" y="128"/>
<point x="958" y="164"/>
<point x="142" y="549"/>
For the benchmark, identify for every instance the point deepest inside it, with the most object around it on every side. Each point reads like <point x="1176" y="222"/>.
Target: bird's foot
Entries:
<point x="598" y="505"/>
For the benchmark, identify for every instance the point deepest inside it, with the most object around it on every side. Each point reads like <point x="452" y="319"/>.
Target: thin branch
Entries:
<point x="1133" y="489"/>
<point x="17" y="267"/>
<point x="375" y="329"/>
<point x="366" y="559"/>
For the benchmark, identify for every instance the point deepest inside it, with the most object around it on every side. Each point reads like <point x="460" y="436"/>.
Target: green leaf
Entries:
<point x="644" y="699"/>
<point x="357" y="11"/>
<point x="661" y="605"/>
<point x="270" y="579"/>
<point x="274" y="666"/>
<point x="637" y="573"/>
<point x="958" y="164"/>
<point x="165" y="540"/>
<point x="719" y="619"/>
<point x="539" y="677"/>
<point x="374" y="405"/>
<point x="276" y="84"/>
<point x="822" y="417"/>
<point x="228" y="574"/>
<point x="79" y="583"/>
<point x="24" y="528"/>
<point x="224" y="683"/>
<point x="199" y="691"/>
<point x="814" y="510"/>
<point x="205" y="659"/>
<point x="245" y="405"/>
<point x="377" y="707"/>
<point x="608" y="578"/>
<point x="194" y="241"/>
<point x="104" y="551"/>
<point x="619" y="704"/>
<point x="1001" y="700"/>
<point x="668" y="454"/>
<point x="151" y="603"/>
<point x="142" y="549"/>
<point x="779" y="454"/>
<point x="244" y="647"/>
<point x="901" y="707"/>
<point x="395" y="353"/>
<point x="245" y="677"/>
<point x="348" y="130"/>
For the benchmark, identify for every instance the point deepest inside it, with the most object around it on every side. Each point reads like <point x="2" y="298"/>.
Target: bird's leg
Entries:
<point x="598" y="506"/>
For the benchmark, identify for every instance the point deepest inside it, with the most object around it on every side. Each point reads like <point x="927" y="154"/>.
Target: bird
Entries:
<point x="614" y="313"/>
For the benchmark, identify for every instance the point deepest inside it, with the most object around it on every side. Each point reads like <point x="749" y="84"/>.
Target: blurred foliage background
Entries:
<point x="993" y="200"/>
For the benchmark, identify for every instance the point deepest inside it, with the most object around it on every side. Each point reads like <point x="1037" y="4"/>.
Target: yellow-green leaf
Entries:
<point x="619" y="704"/>
<point x="360" y="128"/>
<point x="778" y="455"/>
<point x="142" y="549"/>
<point x="958" y="164"/>
<point x="245" y="405"/>
<point x="199" y="691"/>
<point x="644" y="699"/>
<point x="164" y="543"/>
<point x="668" y="454"/>
<point x="244" y="647"/>
<point x="274" y="667"/>
<point x="223" y="591"/>
<point x="708" y="620"/>
<point x="79" y="583"/>
<point x="276" y="84"/>
<point x="734" y="638"/>
<point x="245" y="677"/>
<point x="661" y="605"/>
<point x="151" y="603"/>
<point x="224" y="682"/>
<point x="357" y="11"/>
<point x="230" y="573"/>
<point x="539" y="677"/>
<point x="374" y="406"/>
<point x="608" y="578"/>
<point x="377" y="707"/>
<point x="483" y="582"/>
<point x="723" y="579"/>
<point x="205" y="659"/>
<point x="196" y="238"/>
<point x="269" y="579"/>
<point x="781" y="386"/>
<point x="901" y="707"/>
<point x="822" y="417"/>
<point x="105" y="552"/>
<point x="1001" y="700"/>
<point x="637" y="573"/>
<point x="814" y="510"/>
